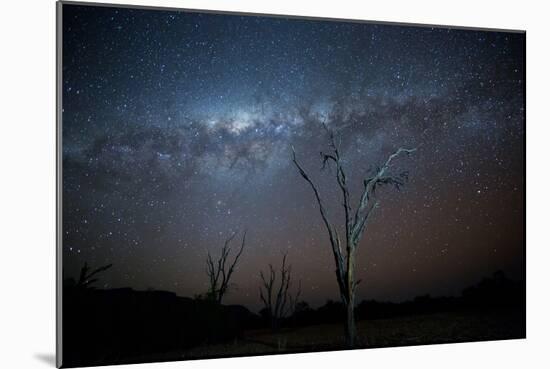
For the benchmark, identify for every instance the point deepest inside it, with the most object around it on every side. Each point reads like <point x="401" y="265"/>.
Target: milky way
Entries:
<point x="178" y="128"/>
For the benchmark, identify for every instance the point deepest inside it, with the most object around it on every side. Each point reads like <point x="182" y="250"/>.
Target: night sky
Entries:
<point x="178" y="127"/>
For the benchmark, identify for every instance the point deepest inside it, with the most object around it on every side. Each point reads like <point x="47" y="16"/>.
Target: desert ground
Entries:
<point x="415" y="330"/>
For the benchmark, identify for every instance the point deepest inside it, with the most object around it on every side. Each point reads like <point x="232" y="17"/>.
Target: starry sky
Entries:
<point x="178" y="128"/>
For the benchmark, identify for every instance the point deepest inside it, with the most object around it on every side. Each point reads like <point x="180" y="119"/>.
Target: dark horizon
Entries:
<point x="256" y="308"/>
<point x="178" y="127"/>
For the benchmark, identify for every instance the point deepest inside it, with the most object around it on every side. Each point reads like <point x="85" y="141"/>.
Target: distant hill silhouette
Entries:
<point x="495" y="292"/>
<point x="110" y="326"/>
<point x="115" y="325"/>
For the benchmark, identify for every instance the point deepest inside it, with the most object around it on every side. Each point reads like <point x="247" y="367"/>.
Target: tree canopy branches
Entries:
<point x="355" y="217"/>
<point x="220" y="271"/>
<point x="278" y="301"/>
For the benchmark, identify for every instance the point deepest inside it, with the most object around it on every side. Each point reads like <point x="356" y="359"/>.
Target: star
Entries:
<point x="178" y="130"/>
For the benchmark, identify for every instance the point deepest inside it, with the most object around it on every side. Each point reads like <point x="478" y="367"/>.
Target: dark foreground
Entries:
<point x="401" y="331"/>
<point x="123" y="326"/>
<point x="416" y="330"/>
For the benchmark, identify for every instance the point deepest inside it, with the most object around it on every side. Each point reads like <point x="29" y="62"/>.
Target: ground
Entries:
<point x="416" y="330"/>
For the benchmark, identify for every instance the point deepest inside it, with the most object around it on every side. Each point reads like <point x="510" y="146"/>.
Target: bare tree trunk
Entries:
<point x="219" y="273"/>
<point x="351" y="331"/>
<point x="278" y="302"/>
<point x="350" y="303"/>
<point x="355" y="222"/>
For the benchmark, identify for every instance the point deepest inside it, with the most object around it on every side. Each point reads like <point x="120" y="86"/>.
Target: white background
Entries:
<point x="27" y="193"/>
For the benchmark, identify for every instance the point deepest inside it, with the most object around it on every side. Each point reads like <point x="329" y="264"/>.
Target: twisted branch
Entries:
<point x="220" y="269"/>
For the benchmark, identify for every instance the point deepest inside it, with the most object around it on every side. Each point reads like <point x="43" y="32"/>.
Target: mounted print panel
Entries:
<point x="238" y="184"/>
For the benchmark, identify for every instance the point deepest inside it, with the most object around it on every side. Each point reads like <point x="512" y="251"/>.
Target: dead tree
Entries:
<point x="278" y="301"/>
<point x="355" y="219"/>
<point x="220" y="272"/>
<point x="293" y="300"/>
<point x="86" y="278"/>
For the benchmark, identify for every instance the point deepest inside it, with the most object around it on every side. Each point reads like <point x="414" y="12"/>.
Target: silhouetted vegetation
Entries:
<point x="121" y="325"/>
<point x="496" y="292"/>
<point x="86" y="278"/>
<point x="219" y="272"/>
<point x="355" y="220"/>
<point x="276" y="297"/>
<point x="110" y="326"/>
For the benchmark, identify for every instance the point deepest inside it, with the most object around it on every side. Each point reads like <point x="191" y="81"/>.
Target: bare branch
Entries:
<point x="333" y="233"/>
<point x="370" y="184"/>
<point x="220" y="272"/>
<point x="354" y="225"/>
<point x="85" y="279"/>
<point x="293" y="300"/>
<point x="275" y="296"/>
